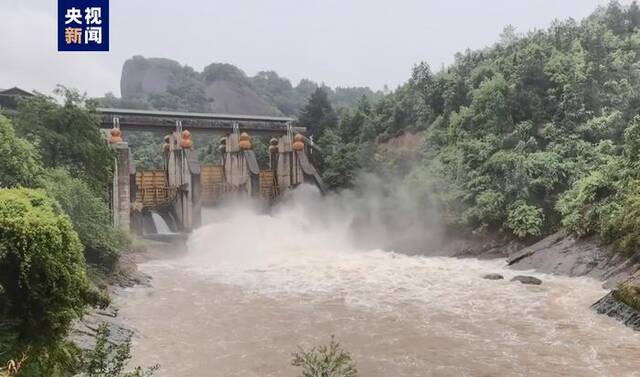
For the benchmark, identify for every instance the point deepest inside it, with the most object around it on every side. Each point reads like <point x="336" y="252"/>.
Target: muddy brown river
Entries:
<point x="239" y="302"/>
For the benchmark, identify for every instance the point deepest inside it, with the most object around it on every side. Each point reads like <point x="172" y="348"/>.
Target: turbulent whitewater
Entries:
<point x="252" y="287"/>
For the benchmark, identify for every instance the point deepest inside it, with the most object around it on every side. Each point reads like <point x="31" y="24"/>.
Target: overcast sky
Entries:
<point x="338" y="42"/>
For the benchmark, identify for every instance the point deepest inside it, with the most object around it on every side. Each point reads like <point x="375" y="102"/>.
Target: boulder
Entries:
<point x="623" y="303"/>
<point x="493" y="277"/>
<point x="527" y="279"/>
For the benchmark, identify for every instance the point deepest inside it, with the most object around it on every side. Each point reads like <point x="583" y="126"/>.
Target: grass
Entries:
<point x="628" y="294"/>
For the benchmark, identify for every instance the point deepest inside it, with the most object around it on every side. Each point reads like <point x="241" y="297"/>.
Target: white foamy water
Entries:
<point x="253" y="287"/>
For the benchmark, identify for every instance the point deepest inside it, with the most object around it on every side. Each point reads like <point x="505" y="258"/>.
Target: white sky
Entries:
<point x="338" y="42"/>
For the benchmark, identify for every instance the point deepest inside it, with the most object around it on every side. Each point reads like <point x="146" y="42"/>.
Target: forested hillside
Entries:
<point x="536" y="132"/>
<point x="164" y="84"/>
<point x="58" y="244"/>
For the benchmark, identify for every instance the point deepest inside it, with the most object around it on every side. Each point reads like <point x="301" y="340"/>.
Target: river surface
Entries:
<point x="252" y="288"/>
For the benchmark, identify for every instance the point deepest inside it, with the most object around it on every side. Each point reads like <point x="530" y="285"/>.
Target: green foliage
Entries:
<point x="628" y="294"/>
<point x="344" y="97"/>
<point x="621" y="219"/>
<point x="223" y="71"/>
<point x="111" y="101"/>
<point x="325" y="361"/>
<point x="90" y="216"/>
<point x="146" y="148"/>
<point x="582" y="206"/>
<point x="525" y="220"/>
<point x="537" y="131"/>
<point x="260" y="146"/>
<point x="632" y="140"/>
<point x="43" y="284"/>
<point x="342" y="166"/>
<point x="19" y="161"/>
<point x="489" y="209"/>
<point x="66" y="136"/>
<point x="318" y="114"/>
<point x="278" y="91"/>
<point x="107" y="359"/>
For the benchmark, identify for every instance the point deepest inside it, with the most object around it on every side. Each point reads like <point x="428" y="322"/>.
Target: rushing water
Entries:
<point x="252" y="288"/>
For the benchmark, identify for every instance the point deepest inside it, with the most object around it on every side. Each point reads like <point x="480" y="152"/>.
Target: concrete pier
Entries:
<point x="183" y="173"/>
<point x="121" y="191"/>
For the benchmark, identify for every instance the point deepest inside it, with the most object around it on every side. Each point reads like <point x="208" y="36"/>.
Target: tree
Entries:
<point x="341" y="162"/>
<point x="43" y="285"/>
<point x="318" y="114"/>
<point x="90" y="216"/>
<point x="66" y="136"/>
<point x="525" y="136"/>
<point x="19" y="160"/>
<point x="525" y="220"/>
<point x="508" y="35"/>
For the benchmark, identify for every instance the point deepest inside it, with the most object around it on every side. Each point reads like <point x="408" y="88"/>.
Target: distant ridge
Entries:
<point x="165" y="84"/>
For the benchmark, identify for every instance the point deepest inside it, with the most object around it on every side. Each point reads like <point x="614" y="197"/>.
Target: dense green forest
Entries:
<point x="538" y="132"/>
<point x="57" y="242"/>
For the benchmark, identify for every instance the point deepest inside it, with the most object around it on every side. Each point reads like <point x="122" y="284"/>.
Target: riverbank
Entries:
<point x="560" y="254"/>
<point x="564" y="255"/>
<point x="128" y="276"/>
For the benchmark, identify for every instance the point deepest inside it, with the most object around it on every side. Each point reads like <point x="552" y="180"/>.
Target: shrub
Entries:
<point x="90" y="216"/>
<point x="525" y="220"/>
<point x="628" y="294"/>
<point x="19" y="161"/>
<point x="325" y="361"/>
<point x="43" y="284"/>
<point x="582" y="205"/>
<point x="622" y="225"/>
<point x="489" y="208"/>
<point x="107" y="359"/>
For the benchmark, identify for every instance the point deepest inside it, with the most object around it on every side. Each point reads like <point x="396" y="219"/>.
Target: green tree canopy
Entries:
<point x="66" y="136"/>
<point x="19" y="161"/>
<point x="533" y="133"/>
<point x="318" y="114"/>
<point x="90" y="216"/>
<point x="43" y="285"/>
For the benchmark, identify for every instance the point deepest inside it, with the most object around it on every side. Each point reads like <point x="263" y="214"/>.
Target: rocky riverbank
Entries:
<point x="84" y="331"/>
<point x="561" y="254"/>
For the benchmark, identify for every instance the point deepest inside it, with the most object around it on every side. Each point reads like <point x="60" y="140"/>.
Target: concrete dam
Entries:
<point x="178" y="191"/>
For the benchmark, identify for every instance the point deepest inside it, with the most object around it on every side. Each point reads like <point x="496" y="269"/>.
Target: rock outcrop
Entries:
<point x="142" y="77"/>
<point x="527" y="280"/>
<point x="561" y="254"/>
<point x="619" y="310"/>
<point x="230" y="97"/>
